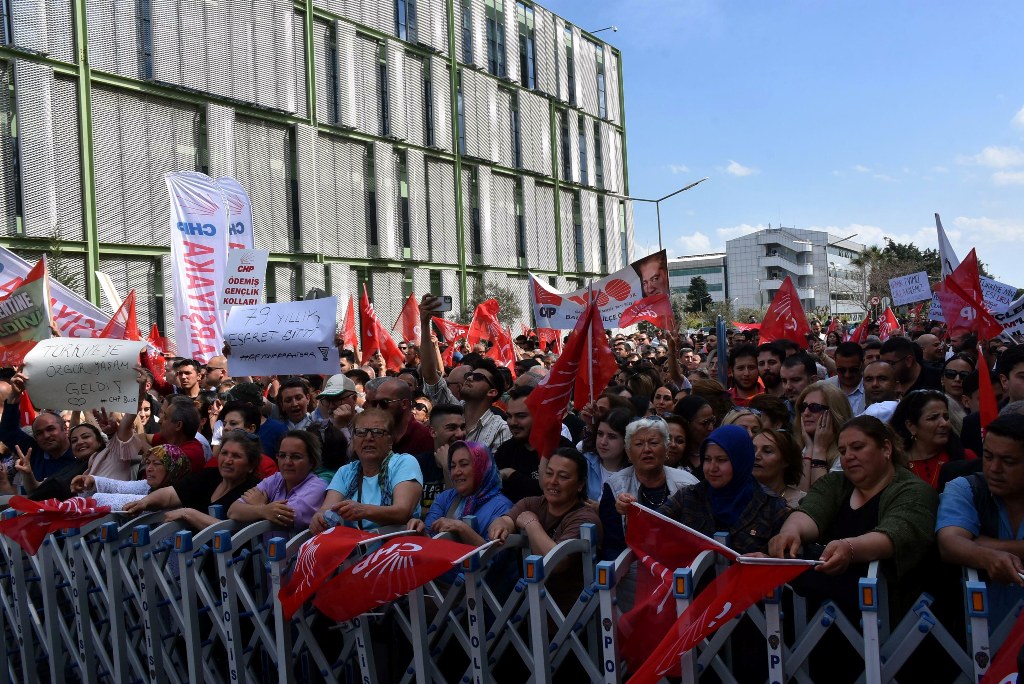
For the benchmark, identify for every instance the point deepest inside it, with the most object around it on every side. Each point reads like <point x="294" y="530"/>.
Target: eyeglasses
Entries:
<point x="812" y="406"/>
<point x="376" y="432"/>
<point x="951" y="374"/>
<point x="382" y="403"/>
<point x="480" y="376"/>
<point x="420" y="407"/>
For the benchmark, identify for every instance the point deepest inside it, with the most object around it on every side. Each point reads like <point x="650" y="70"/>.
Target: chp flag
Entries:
<point x="785" y="317"/>
<point x="199" y="249"/>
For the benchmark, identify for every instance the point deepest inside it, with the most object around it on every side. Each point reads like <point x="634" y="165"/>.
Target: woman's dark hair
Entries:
<point x="203" y="404"/>
<point x="314" y="447"/>
<point x="641" y="404"/>
<point x="716" y="395"/>
<point x="617" y="420"/>
<point x="640" y="385"/>
<point x="970" y="360"/>
<point x="581" y="466"/>
<point x="152" y="425"/>
<point x="100" y="438"/>
<point x="879" y="433"/>
<point x="249" y="442"/>
<point x="250" y="414"/>
<point x="687" y="407"/>
<point x="910" y="409"/>
<point x="792" y="458"/>
<point x="772" y="408"/>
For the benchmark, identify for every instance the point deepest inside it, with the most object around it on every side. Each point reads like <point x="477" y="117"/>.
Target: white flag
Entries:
<point x="239" y="213"/>
<point x="946" y="253"/>
<point x="199" y="247"/>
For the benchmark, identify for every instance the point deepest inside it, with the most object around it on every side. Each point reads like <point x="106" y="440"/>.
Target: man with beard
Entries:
<point x="447" y="426"/>
<point x="517" y="461"/>
<point x="933" y="350"/>
<point x="905" y="358"/>
<point x="769" y="367"/>
<point x="798" y="371"/>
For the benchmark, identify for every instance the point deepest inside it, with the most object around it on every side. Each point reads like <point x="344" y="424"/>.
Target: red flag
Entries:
<point x="450" y="330"/>
<point x="158" y="342"/>
<point x="349" y="340"/>
<point x="887" y="324"/>
<point x="546" y="336"/>
<point x="39" y="518"/>
<point x="963" y="307"/>
<point x="731" y="593"/>
<point x="393" y="570"/>
<point x="153" y="358"/>
<point x="26" y="316"/>
<point x="603" y="365"/>
<point x="988" y="407"/>
<point x="409" y="319"/>
<point x="485" y="323"/>
<point x="915" y="313"/>
<point x="860" y="333"/>
<point x="368" y="324"/>
<point x="785" y="317"/>
<point x="833" y="326"/>
<point x="656" y="309"/>
<point x="321" y="555"/>
<point x="502" y="350"/>
<point x="661" y="545"/>
<point x="448" y="356"/>
<point x="394" y="359"/>
<point x="1004" y="663"/>
<point x="746" y="326"/>
<point x="26" y="409"/>
<point x="123" y="325"/>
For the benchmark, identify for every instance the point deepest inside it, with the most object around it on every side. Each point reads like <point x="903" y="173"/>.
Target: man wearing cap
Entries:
<point x="270" y="431"/>
<point x="337" y="403"/>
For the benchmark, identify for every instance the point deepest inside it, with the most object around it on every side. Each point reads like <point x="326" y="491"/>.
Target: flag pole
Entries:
<point x="590" y="340"/>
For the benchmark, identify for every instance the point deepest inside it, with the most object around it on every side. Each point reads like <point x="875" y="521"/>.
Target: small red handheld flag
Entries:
<point x="321" y="555"/>
<point x="40" y="518"/>
<point x="785" y="317"/>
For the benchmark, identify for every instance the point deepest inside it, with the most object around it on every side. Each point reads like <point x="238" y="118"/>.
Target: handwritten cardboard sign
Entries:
<point x="79" y="374"/>
<point x="910" y="288"/>
<point x="244" y="278"/>
<point x="286" y="338"/>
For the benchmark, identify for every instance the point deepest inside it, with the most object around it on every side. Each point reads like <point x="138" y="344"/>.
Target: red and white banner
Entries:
<point x="887" y="324"/>
<point x="393" y="570"/>
<point x="450" y="330"/>
<point x="72" y="315"/>
<point x="785" y="317"/>
<point x="656" y="309"/>
<point x="43" y="517"/>
<point x="199" y="249"/>
<point x="25" y="316"/>
<point x="318" y="557"/>
<point x="239" y="213"/>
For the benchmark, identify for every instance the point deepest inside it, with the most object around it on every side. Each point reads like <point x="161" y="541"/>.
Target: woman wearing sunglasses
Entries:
<point x="921" y="420"/>
<point x="421" y="407"/>
<point x="821" y="411"/>
<point x="954" y="372"/>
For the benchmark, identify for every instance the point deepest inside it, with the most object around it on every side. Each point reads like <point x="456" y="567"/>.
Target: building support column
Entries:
<point x="85" y="144"/>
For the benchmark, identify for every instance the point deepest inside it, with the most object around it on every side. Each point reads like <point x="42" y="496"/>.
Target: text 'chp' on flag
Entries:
<point x="785" y="317"/>
<point x="25" y="316"/>
<point x="963" y="303"/>
<point x="584" y="368"/>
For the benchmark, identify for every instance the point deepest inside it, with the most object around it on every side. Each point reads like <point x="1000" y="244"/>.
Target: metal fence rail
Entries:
<point x="140" y="601"/>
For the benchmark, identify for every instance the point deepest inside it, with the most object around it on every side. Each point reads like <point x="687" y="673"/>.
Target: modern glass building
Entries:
<point x="410" y="145"/>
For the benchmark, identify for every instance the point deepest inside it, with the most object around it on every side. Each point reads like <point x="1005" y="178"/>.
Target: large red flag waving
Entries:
<point x="603" y="365"/>
<point x="40" y="518"/>
<point x="502" y="350"/>
<point x="393" y="570"/>
<point x="450" y="330"/>
<point x="785" y="317"/>
<point x="485" y="323"/>
<point x="321" y="555"/>
<point x="123" y="325"/>
<point x="369" y="326"/>
<point x="887" y="324"/>
<point x="349" y="340"/>
<point x="963" y="303"/>
<point x="860" y="333"/>
<point x="409" y="320"/>
<point x="656" y="309"/>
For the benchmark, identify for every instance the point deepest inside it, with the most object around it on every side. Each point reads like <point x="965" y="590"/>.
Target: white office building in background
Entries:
<point x="710" y="267"/>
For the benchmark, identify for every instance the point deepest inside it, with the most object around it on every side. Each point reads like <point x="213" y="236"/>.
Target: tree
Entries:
<point x="698" y="299"/>
<point x="510" y="312"/>
<point x="56" y="265"/>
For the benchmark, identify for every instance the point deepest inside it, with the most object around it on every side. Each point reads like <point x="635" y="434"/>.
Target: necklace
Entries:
<point x="652" y="498"/>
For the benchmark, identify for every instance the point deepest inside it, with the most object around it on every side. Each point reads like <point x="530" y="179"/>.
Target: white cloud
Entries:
<point x="860" y="168"/>
<point x="1008" y="177"/>
<point x="678" y="168"/>
<point x="985" y="230"/>
<point x="697" y="243"/>
<point x="1018" y="118"/>
<point x="837" y="172"/>
<point x="737" y="169"/>
<point x="995" y="157"/>
<point x="738" y="231"/>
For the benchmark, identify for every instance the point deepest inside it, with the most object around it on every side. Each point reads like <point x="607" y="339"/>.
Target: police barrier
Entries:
<point x="134" y="601"/>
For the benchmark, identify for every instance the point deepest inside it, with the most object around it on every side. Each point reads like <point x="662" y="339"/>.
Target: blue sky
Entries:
<point x="862" y="117"/>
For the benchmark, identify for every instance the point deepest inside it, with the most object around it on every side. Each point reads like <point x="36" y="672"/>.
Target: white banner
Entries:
<point x="244" y="278"/>
<point x="1013" y="317"/>
<point x="73" y="315"/>
<point x="615" y="293"/>
<point x="293" y="338"/>
<point x="239" y="213"/>
<point x="66" y="373"/>
<point x="199" y="246"/>
<point x="910" y="288"/>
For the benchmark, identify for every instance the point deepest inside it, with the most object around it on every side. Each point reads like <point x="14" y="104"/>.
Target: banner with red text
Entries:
<point x="239" y="213"/>
<point x="25" y="316"/>
<point x="199" y="249"/>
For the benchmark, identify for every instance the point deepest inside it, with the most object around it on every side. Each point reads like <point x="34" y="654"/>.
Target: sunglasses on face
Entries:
<point x="420" y="407"/>
<point x="376" y="432"/>
<point x="848" y="371"/>
<point x="812" y="406"/>
<point x="382" y="403"/>
<point x="951" y="374"/>
<point x="475" y="377"/>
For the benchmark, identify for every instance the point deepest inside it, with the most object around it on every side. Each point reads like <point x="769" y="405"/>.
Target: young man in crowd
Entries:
<point x="769" y="366"/>
<point x="905" y="358"/>
<point x="745" y="381"/>
<point x="849" y="370"/>
<point x="517" y="461"/>
<point x="447" y="426"/>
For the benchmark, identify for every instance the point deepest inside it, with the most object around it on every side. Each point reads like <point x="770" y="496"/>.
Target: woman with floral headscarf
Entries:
<point x="162" y="466"/>
<point x="477" y="492"/>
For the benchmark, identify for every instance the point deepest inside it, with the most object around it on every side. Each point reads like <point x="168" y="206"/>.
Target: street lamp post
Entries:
<point x="657" y="203"/>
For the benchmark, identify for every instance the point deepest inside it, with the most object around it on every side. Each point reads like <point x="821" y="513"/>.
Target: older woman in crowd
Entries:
<point x="821" y="411"/>
<point x="921" y="420"/>
<point x="221" y="486"/>
<point x="646" y="480"/>
<point x="778" y="465"/>
<point x="291" y="496"/>
<point x="162" y="466"/>
<point x="380" y="487"/>
<point x="476" y="492"/>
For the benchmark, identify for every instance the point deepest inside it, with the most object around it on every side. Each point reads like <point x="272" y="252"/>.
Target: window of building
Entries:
<point x="712" y="287"/>
<point x="428" y="105"/>
<point x="695" y="271"/>
<point x="583" y="150"/>
<point x="462" y="117"/>
<point x="495" y="23"/>
<point x="476" y="231"/>
<point x="435" y="283"/>
<point x="622" y="233"/>
<point x="527" y="45"/>
<point x="602" y="93"/>
<point x="144" y="21"/>
<point x="563" y="128"/>
<point x="577" y="225"/>
<point x="403" y="202"/>
<point x="382" y="77"/>
<point x="370" y="183"/>
<point x="331" y="54"/>
<point x="598" y="157"/>
<point x="467" y="31"/>
<point x="514" y="126"/>
<point x="602" y="234"/>
<point x="520" y="224"/>
<point x="405" y="20"/>
<point x="570" y="66"/>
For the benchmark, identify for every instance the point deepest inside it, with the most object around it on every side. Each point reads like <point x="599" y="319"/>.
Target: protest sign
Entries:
<point x="293" y="338"/>
<point x="68" y="373"/>
<point x="24" y="316"/>
<point x="910" y="288"/>
<point x="244" y="278"/>
<point x="1013" y="317"/>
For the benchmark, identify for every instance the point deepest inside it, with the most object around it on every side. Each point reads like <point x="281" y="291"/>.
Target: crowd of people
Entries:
<point x="835" y="451"/>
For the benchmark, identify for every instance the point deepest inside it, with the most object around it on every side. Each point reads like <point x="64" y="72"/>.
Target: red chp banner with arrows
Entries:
<point x="785" y="317"/>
